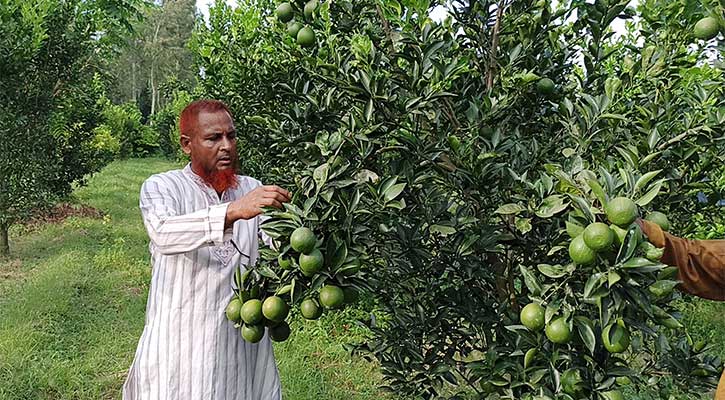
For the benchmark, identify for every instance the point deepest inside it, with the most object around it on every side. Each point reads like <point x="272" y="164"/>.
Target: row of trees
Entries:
<point x="84" y="82"/>
<point x="435" y="153"/>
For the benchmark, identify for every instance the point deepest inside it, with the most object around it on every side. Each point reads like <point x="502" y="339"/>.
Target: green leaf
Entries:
<point x="650" y="195"/>
<point x="551" y="206"/>
<point x="530" y="280"/>
<point x="320" y="175"/>
<point x="393" y="191"/>
<point x="508" y="209"/>
<point x="555" y="271"/>
<point x="443" y="230"/>
<point x="585" y="327"/>
<point x="644" y="179"/>
<point x="523" y="224"/>
<point x="594" y="282"/>
<point x="598" y="192"/>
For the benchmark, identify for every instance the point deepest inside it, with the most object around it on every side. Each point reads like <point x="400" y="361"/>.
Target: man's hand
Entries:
<point x="251" y="204"/>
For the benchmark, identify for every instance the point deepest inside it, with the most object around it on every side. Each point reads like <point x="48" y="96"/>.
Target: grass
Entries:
<point x="72" y="304"/>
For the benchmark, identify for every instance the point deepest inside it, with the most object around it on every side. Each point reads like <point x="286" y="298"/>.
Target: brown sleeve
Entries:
<point x="700" y="263"/>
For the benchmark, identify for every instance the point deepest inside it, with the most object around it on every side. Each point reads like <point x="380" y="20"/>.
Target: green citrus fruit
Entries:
<point x="284" y="12"/>
<point x="284" y="263"/>
<point x="545" y="86"/>
<point x="252" y="333"/>
<point x="332" y="296"/>
<point x="659" y="219"/>
<point x="311" y="264"/>
<point x="558" y="331"/>
<point x="306" y="37"/>
<point x="303" y="240"/>
<point x="651" y="252"/>
<point x="293" y="27"/>
<point x="621" y="211"/>
<point x="233" y="309"/>
<point x="532" y="316"/>
<point x="580" y="253"/>
<point x="310" y="310"/>
<point x="597" y="236"/>
<point x="572" y="383"/>
<point x="351" y="294"/>
<point x="615" y="338"/>
<point x="279" y="333"/>
<point x="251" y="312"/>
<point x="613" y="395"/>
<point x="275" y="309"/>
<point x="310" y="8"/>
<point x="706" y="28"/>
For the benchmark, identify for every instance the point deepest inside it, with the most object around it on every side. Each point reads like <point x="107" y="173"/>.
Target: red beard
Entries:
<point x="221" y="180"/>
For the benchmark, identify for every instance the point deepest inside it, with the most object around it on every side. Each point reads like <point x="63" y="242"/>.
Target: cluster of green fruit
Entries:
<point x="588" y="244"/>
<point x="707" y="28"/>
<point x="253" y="314"/>
<point x="304" y="35"/>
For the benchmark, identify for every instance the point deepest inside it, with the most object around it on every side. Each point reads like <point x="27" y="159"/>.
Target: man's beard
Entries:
<point x="221" y="180"/>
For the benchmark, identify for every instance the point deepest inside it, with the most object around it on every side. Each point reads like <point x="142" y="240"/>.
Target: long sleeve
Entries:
<point x="700" y="263"/>
<point x="172" y="233"/>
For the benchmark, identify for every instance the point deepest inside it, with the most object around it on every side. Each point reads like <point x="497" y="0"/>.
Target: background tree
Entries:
<point x="49" y="98"/>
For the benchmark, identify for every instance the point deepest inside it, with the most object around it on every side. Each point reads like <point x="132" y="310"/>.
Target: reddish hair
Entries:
<point x="189" y="116"/>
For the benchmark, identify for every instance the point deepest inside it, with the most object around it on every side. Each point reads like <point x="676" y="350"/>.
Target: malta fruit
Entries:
<point x="306" y="37"/>
<point x="532" y="316"/>
<point x="284" y="12"/>
<point x="545" y="86"/>
<point x="252" y="333"/>
<point x="580" y="253"/>
<point x="293" y="28"/>
<point x="311" y="263"/>
<point x="706" y="28"/>
<point x="279" y="333"/>
<point x="615" y="338"/>
<point x="303" y="240"/>
<point x="233" y="309"/>
<point x="251" y="312"/>
<point x="659" y="219"/>
<point x="597" y="236"/>
<point x="558" y="331"/>
<point x="310" y="8"/>
<point x="331" y="296"/>
<point x="621" y="211"/>
<point x="310" y="310"/>
<point x="572" y="383"/>
<point x="275" y="309"/>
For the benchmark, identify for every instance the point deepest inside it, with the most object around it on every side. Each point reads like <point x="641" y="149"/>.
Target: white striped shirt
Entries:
<point x="188" y="349"/>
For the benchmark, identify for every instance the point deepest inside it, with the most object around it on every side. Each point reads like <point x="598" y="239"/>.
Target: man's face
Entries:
<point x="213" y="147"/>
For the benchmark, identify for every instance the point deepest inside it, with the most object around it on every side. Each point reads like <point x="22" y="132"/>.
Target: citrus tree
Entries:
<point x="49" y="98"/>
<point x="453" y="161"/>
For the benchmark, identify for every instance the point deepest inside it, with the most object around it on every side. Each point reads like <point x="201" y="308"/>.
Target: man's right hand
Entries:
<point x="251" y="204"/>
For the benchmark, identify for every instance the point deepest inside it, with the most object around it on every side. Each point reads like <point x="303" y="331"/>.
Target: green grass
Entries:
<point x="72" y="303"/>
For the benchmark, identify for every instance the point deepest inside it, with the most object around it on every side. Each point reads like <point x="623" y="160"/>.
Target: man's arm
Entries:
<point x="700" y="263"/>
<point x="172" y="233"/>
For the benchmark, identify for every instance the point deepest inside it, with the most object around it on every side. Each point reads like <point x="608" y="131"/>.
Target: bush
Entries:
<point x="124" y="124"/>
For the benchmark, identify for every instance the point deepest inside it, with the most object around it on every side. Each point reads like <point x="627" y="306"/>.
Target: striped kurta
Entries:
<point x="188" y="349"/>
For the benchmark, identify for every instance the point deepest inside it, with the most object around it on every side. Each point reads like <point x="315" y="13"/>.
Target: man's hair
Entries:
<point x="190" y="114"/>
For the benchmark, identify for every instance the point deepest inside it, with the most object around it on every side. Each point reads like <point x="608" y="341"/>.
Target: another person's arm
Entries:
<point x="173" y="233"/>
<point x="700" y="263"/>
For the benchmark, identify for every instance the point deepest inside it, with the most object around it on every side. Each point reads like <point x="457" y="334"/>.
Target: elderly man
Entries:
<point x="188" y="349"/>
<point x="700" y="267"/>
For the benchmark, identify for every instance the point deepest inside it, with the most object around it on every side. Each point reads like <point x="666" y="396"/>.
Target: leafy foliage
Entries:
<point x="428" y="151"/>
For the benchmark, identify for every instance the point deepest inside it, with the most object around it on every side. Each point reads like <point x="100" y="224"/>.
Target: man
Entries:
<point x="701" y="267"/>
<point x="188" y="350"/>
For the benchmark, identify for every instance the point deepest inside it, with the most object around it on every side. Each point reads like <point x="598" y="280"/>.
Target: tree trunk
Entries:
<point x="4" y="240"/>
